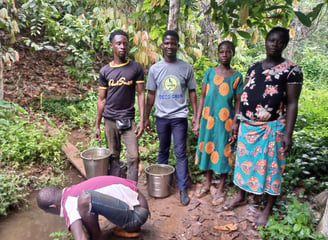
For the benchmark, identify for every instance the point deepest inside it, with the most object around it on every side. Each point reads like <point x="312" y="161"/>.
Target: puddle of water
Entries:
<point x="33" y="223"/>
<point x="30" y="224"/>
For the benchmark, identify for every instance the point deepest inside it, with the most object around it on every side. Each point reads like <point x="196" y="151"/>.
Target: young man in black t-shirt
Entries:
<point x="118" y="82"/>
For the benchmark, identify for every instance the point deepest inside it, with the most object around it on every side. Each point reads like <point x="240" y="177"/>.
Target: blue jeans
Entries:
<point x="178" y="127"/>
<point x="117" y="211"/>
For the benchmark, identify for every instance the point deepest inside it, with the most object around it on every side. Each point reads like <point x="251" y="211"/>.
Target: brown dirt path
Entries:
<point x="170" y="220"/>
<point x="197" y="221"/>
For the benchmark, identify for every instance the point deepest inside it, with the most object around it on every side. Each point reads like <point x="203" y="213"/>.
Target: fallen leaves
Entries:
<point x="227" y="227"/>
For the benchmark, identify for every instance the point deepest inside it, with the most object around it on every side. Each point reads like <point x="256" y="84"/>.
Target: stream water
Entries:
<point x="32" y="223"/>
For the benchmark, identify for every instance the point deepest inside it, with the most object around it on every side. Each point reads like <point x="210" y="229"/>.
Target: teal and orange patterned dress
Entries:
<point x="214" y="152"/>
<point x="260" y="157"/>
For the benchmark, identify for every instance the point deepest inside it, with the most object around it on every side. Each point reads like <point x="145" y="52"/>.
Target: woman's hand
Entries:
<point x="287" y="143"/>
<point x="234" y="132"/>
<point x="196" y="128"/>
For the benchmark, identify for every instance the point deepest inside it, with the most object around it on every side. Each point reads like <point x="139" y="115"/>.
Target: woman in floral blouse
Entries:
<point x="268" y="110"/>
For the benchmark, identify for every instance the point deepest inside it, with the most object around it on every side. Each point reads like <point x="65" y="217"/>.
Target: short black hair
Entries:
<point x="232" y="46"/>
<point x="284" y="32"/>
<point x="118" y="32"/>
<point x="47" y="196"/>
<point x="171" y="33"/>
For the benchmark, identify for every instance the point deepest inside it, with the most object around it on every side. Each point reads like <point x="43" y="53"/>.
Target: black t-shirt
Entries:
<point x="264" y="97"/>
<point x="120" y="82"/>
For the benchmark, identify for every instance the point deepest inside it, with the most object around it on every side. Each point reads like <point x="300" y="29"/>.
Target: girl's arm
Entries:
<point x="235" y="124"/>
<point x="199" y="110"/>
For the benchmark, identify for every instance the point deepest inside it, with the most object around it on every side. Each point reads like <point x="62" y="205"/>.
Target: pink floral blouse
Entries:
<point x="264" y="96"/>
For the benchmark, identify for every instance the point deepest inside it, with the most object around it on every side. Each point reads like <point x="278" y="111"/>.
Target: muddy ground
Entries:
<point x="41" y="74"/>
<point x="199" y="220"/>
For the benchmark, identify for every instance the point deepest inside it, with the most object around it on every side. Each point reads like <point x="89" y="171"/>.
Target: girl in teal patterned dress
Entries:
<point x="268" y="110"/>
<point x="220" y="95"/>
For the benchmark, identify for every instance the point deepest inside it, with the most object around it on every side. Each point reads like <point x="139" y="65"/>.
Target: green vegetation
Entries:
<point x="81" y="28"/>
<point x="298" y="223"/>
<point x="307" y="163"/>
<point x="308" y="167"/>
<point x="12" y="192"/>
<point x="26" y="148"/>
<point x="61" y="236"/>
<point x="25" y="141"/>
<point x="76" y="112"/>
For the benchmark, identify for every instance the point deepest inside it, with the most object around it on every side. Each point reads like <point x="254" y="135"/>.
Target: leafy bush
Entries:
<point x="24" y="145"/>
<point x="76" y="111"/>
<point x="64" y="24"/>
<point x="61" y="236"/>
<point x="315" y="69"/>
<point x="200" y="66"/>
<point x="307" y="163"/>
<point x="298" y="223"/>
<point x="11" y="191"/>
<point x="16" y="185"/>
<point x="23" y="142"/>
<point x="312" y="119"/>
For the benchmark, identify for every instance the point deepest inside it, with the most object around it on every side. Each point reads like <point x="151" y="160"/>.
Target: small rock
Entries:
<point x="229" y="236"/>
<point x="195" y="217"/>
<point x="186" y="223"/>
<point x="165" y="214"/>
<point x="226" y="213"/>
<point x="196" y="229"/>
<point x="193" y="205"/>
<point x="251" y="233"/>
<point x="181" y="237"/>
<point x="243" y="225"/>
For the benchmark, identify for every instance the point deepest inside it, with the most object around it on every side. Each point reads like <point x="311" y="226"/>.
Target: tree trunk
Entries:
<point x="1" y="80"/>
<point x="322" y="200"/>
<point x="323" y="224"/>
<point x="172" y="23"/>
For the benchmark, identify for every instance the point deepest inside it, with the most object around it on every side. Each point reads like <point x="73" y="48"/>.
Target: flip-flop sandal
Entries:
<point x="122" y="233"/>
<point x="231" y="207"/>
<point x="202" y="192"/>
<point x="217" y="201"/>
<point x="218" y="198"/>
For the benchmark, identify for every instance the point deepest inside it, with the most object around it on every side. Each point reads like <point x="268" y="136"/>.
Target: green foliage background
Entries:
<point x="26" y="144"/>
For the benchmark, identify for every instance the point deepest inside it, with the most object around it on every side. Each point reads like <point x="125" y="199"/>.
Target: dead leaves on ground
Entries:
<point x="227" y="227"/>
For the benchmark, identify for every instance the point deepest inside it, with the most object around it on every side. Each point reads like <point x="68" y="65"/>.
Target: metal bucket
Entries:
<point x="159" y="178"/>
<point x="95" y="161"/>
<point x="123" y="169"/>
